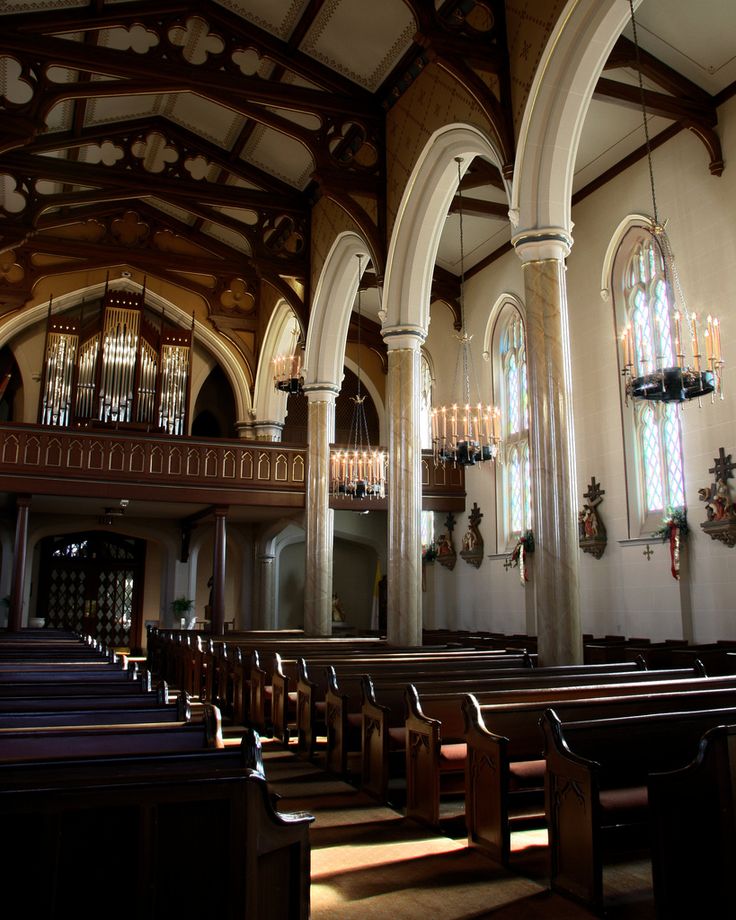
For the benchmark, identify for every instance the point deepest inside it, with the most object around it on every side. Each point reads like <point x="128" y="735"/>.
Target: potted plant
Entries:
<point x="182" y="607"/>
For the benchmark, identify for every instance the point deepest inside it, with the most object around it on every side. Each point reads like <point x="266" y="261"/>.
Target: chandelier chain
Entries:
<point x="644" y="115"/>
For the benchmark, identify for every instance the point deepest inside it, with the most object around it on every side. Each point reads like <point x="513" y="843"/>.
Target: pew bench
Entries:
<point x="693" y="831"/>
<point x="505" y="766"/>
<point x="62" y="741"/>
<point x="178" y="710"/>
<point x="317" y="678"/>
<point x="596" y="787"/>
<point x="190" y="834"/>
<point x="432" y="733"/>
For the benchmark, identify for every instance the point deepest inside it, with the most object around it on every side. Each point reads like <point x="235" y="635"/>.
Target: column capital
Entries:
<point x="540" y="245"/>
<point x="404" y="336"/>
<point x="321" y="392"/>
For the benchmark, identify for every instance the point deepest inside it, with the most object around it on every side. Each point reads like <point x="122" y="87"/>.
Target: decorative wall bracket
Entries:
<point x="446" y="554"/>
<point x="719" y="506"/>
<point x="592" y="537"/>
<point x="472" y="551"/>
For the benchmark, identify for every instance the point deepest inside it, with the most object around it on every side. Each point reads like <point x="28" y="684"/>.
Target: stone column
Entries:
<point x="218" y="572"/>
<point x="17" y="591"/>
<point x="266" y="431"/>
<point x="552" y="447"/>
<point x="319" y="516"/>
<point x="404" y="488"/>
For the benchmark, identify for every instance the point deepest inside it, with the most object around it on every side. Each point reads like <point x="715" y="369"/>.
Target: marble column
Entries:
<point x="554" y="505"/>
<point x="218" y="572"/>
<point x="267" y="431"/>
<point x="319" y="516"/>
<point x="17" y="592"/>
<point x="404" y="488"/>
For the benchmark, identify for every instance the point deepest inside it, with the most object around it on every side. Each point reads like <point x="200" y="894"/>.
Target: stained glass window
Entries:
<point x="514" y="478"/>
<point x="425" y="404"/>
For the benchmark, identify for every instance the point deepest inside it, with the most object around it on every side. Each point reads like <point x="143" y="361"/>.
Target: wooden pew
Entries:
<point x="505" y="766"/>
<point x="346" y="696"/>
<point x="693" y="831"/>
<point x="61" y="741"/>
<point x="318" y="676"/>
<point x="396" y="723"/>
<point x="596" y="786"/>
<point x="153" y="818"/>
<point x="128" y="683"/>
<point x="94" y="712"/>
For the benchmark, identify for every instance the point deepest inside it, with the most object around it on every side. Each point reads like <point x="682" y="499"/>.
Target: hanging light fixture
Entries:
<point x="358" y="471"/>
<point x="287" y="368"/>
<point x="666" y="364"/>
<point x="465" y="432"/>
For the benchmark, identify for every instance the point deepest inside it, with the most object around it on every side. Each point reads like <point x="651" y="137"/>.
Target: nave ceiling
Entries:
<point x="191" y="141"/>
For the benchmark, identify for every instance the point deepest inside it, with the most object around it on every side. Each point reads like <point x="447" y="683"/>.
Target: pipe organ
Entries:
<point x="117" y="368"/>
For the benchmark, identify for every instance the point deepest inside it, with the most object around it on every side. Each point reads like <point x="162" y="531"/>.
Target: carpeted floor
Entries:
<point x="368" y="861"/>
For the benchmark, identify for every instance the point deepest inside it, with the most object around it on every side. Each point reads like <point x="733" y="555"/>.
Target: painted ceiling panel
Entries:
<point x="212" y="122"/>
<point x="363" y="41"/>
<point x="230" y="237"/>
<point x="276" y="16"/>
<point x="280" y="156"/>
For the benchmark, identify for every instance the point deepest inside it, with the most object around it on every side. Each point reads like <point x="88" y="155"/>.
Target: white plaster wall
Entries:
<point x="490" y="597"/>
<point x="622" y="592"/>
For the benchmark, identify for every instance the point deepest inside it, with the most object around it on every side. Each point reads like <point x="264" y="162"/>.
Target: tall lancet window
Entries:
<point x="116" y="365"/>
<point x="514" y="473"/>
<point x="425" y="402"/>
<point x="655" y="448"/>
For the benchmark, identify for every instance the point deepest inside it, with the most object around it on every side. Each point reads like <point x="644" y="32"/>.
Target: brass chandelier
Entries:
<point x="465" y="432"/>
<point x="666" y="363"/>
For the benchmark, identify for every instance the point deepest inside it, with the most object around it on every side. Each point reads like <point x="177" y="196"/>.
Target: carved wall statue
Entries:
<point x="446" y="554"/>
<point x="720" y="523"/>
<point x="472" y="548"/>
<point x="592" y="536"/>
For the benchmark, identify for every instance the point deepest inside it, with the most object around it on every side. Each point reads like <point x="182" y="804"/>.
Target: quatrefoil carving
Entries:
<point x="106" y="153"/>
<point x="130" y="230"/>
<point x="196" y="41"/>
<point x="197" y="167"/>
<point x="154" y="152"/>
<point x="16" y="90"/>
<point x="12" y="200"/>
<point x="137" y="38"/>
<point x="248" y="60"/>
<point x="10" y="270"/>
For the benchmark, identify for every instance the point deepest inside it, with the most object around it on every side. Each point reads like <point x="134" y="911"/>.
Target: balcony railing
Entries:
<point x="37" y="459"/>
<point x="41" y="460"/>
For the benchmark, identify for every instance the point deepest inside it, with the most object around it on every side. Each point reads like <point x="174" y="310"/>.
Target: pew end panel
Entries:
<point x="693" y="831"/>
<point x="152" y="815"/>
<point x="571" y="804"/>
<point x="486" y="782"/>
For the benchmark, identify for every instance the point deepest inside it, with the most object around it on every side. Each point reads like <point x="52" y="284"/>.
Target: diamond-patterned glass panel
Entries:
<point x="673" y="453"/>
<point x="662" y="323"/>
<point x="512" y="384"/>
<point x="516" y="492"/>
<point x="652" y="456"/>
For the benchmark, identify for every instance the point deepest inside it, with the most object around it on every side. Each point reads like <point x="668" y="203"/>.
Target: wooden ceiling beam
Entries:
<point x="655" y="103"/>
<point x="624" y="55"/>
<point x="477" y="207"/>
<point x="98" y="134"/>
<point x="85" y="174"/>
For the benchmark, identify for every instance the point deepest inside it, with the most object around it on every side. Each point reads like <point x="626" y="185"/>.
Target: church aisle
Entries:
<point x="369" y="862"/>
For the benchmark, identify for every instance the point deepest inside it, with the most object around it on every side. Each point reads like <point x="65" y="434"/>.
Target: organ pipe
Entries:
<point x="127" y="372"/>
